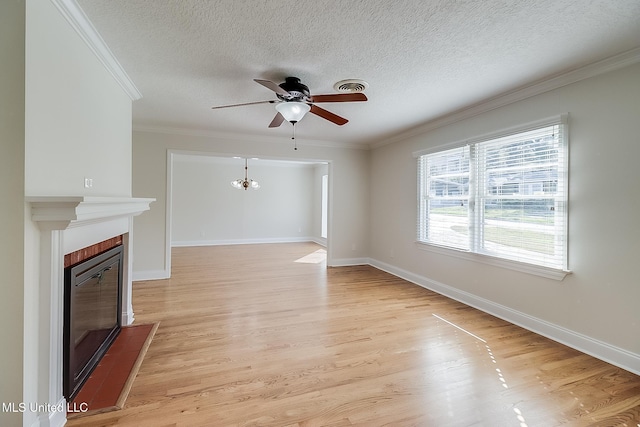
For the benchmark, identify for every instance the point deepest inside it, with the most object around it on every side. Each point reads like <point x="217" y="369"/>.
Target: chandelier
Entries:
<point x="245" y="183"/>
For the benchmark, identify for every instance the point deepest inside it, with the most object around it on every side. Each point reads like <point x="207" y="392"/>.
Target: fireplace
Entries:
<point x="67" y="224"/>
<point x="92" y="311"/>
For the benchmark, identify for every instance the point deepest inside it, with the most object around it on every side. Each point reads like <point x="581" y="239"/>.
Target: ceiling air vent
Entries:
<point x="351" y="85"/>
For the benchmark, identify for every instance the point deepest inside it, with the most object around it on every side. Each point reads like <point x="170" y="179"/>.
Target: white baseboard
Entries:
<point x="150" y="275"/>
<point x="322" y="241"/>
<point x="53" y="418"/>
<point x="127" y="318"/>
<point x="593" y="347"/>
<point x="188" y="243"/>
<point x="346" y="262"/>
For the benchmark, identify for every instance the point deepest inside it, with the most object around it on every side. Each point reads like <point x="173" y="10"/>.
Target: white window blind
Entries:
<point x="445" y="201"/>
<point x="505" y="197"/>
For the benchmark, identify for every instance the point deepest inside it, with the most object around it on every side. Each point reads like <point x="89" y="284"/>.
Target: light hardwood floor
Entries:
<point x="250" y="337"/>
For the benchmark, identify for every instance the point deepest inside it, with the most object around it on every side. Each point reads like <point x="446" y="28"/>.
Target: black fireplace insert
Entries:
<point x="92" y="315"/>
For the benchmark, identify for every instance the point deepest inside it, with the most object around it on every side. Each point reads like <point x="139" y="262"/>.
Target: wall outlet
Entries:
<point x="88" y="182"/>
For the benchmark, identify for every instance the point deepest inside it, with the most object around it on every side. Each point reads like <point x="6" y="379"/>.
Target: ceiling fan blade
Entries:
<point x="340" y="97"/>
<point x="328" y="115"/>
<point x="277" y="121"/>
<point x="246" y="103"/>
<point x="273" y="86"/>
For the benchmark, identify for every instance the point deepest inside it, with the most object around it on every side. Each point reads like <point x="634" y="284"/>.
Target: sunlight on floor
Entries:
<point x="501" y="378"/>
<point x="314" y="257"/>
<point x="456" y="326"/>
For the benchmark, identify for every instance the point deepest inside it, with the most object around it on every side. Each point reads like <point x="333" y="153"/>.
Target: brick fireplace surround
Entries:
<point x="68" y="225"/>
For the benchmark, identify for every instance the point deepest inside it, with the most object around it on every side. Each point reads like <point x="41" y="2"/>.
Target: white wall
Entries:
<point x="78" y="119"/>
<point x="349" y="191"/>
<point x="596" y="307"/>
<point x="208" y="210"/>
<point x="12" y="27"/>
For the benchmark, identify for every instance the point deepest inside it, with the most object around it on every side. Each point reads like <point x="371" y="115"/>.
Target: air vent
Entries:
<point x="351" y="85"/>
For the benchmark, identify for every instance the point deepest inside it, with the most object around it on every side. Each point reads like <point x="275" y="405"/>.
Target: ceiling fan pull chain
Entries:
<point x="295" y="143"/>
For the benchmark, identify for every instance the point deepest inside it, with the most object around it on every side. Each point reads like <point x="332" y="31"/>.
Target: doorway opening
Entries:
<point x="203" y="209"/>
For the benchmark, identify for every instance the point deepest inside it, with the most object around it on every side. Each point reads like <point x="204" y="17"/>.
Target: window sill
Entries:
<point x="536" y="270"/>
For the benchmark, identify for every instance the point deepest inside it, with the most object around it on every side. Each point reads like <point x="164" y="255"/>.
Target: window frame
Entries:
<point x="474" y="252"/>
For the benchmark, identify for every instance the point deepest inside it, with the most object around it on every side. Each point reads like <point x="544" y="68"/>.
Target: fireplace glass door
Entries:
<point x="92" y="315"/>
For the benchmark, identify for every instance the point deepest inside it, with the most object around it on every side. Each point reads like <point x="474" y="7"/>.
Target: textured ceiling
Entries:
<point x="422" y="58"/>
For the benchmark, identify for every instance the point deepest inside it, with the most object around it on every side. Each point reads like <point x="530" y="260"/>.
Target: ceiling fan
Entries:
<point x="295" y="100"/>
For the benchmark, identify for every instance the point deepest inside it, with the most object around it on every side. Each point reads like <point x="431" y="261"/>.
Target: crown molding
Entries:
<point x="79" y="21"/>
<point x="541" y="86"/>
<point x="246" y="137"/>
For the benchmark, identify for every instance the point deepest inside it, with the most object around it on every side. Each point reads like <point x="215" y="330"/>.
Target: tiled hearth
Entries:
<point x="106" y="383"/>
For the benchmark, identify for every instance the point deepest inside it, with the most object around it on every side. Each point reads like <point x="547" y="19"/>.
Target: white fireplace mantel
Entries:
<point x="69" y="223"/>
<point x="61" y="212"/>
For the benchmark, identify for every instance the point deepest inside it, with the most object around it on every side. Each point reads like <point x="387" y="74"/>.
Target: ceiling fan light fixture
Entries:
<point x="293" y="111"/>
<point x="294" y="100"/>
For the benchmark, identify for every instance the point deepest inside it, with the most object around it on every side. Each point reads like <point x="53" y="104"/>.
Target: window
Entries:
<point x="504" y="197"/>
<point x="324" y="207"/>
